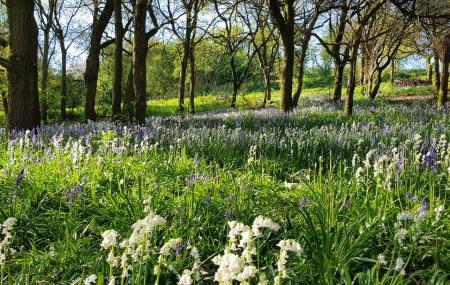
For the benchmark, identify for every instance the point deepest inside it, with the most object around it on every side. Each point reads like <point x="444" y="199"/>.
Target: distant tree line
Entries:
<point x="234" y="38"/>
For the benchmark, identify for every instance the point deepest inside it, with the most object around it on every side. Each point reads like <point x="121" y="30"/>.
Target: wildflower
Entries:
<point x="171" y="244"/>
<point x="186" y="278"/>
<point x="247" y="273"/>
<point x="20" y="177"/>
<point x="286" y="246"/>
<point x="404" y="216"/>
<point x="229" y="214"/>
<point x="401" y="235"/>
<point x="230" y="266"/>
<point x="438" y="210"/>
<point x="109" y="239"/>
<point x="261" y="222"/>
<point x="112" y="281"/>
<point x="8" y="225"/>
<point x="399" y="264"/>
<point x="91" y="279"/>
<point x="410" y="196"/>
<point x="381" y="259"/>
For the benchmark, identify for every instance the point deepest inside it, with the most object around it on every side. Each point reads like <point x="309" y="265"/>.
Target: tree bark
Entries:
<point x="285" y="25"/>
<point x="182" y="80"/>
<point x="93" y="59"/>
<point x="63" y="104"/>
<point x="140" y="61"/>
<point x="118" y="63"/>
<point x="376" y="88"/>
<point x="350" y="88"/>
<point x="235" y="81"/>
<point x="301" y="72"/>
<point x="23" y="100"/>
<point x="192" y="81"/>
<point x="338" y="81"/>
<point x="429" y="69"/>
<point x="392" y="79"/>
<point x="5" y="102"/>
<point x="45" y="64"/>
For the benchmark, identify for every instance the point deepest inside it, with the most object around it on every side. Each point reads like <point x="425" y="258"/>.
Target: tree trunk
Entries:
<point x="376" y="88"/>
<point x="192" y="81"/>
<point x="23" y="95"/>
<point x="443" y="94"/>
<point x="437" y="73"/>
<point x="182" y="80"/>
<point x="392" y="80"/>
<point x="118" y="63"/>
<point x="285" y="25"/>
<point x="301" y="72"/>
<point x="429" y="69"/>
<point x="5" y="102"/>
<point x="235" y="81"/>
<point x="338" y="81"/>
<point x="45" y="64"/>
<point x="351" y="88"/>
<point x="93" y="60"/>
<point x="363" y="69"/>
<point x="129" y="92"/>
<point x="63" y="82"/>
<point x="140" y="61"/>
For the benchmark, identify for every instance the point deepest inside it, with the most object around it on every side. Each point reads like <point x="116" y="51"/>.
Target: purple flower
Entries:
<point x="424" y="205"/>
<point x="229" y="214"/>
<point x="20" y="177"/>
<point x="303" y="201"/>
<point x="410" y="196"/>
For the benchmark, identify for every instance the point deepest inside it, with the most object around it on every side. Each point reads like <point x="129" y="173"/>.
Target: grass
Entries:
<point x="346" y="189"/>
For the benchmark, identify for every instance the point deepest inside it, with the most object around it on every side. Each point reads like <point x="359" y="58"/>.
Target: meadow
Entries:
<point x="231" y="196"/>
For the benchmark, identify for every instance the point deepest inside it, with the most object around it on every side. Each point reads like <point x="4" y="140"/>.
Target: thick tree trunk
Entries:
<point x="63" y="104"/>
<point x="93" y="60"/>
<point x="288" y="74"/>
<point x="301" y="72"/>
<point x="192" y="81"/>
<point x="437" y="73"/>
<point x="350" y="88"/>
<point x="23" y="96"/>
<point x="129" y="92"/>
<point x="429" y="69"/>
<point x="118" y="63"/>
<point x="5" y="102"/>
<point x="443" y="94"/>
<point x="338" y="81"/>
<point x="140" y="61"/>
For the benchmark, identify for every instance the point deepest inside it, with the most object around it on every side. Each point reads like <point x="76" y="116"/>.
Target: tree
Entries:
<point x="46" y="16"/>
<point x="309" y="15"/>
<point x="186" y="31"/>
<point x="140" y="60"/>
<point x="283" y="15"/>
<point x="22" y="66"/>
<point x="233" y="38"/>
<point x="100" y="21"/>
<point x="363" y="14"/>
<point x="67" y="31"/>
<point x="118" y="57"/>
<point x="264" y="40"/>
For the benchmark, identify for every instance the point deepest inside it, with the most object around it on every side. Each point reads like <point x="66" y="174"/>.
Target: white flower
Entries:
<point x="381" y="259"/>
<point x="263" y="279"/>
<point x="438" y="210"/>
<point x="399" y="264"/>
<point x="109" y="239"/>
<point x="401" y="234"/>
<point x="247" y="273"/>
<point x="91" y="279"/>
<point x="261" y="222"/>
<point x="112" y="281"/>
<point x="8" y="225"/>
<point x="186" y="278"/>
<point x="404" y="216"/>
<point x="171" y="244"/>
<point x="230" y="266"/>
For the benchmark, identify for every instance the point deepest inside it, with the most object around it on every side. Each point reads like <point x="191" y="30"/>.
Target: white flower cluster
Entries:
<point x="235" y="267"/>
<point x="7" y="226"/>
<point x="285" y="247"/>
